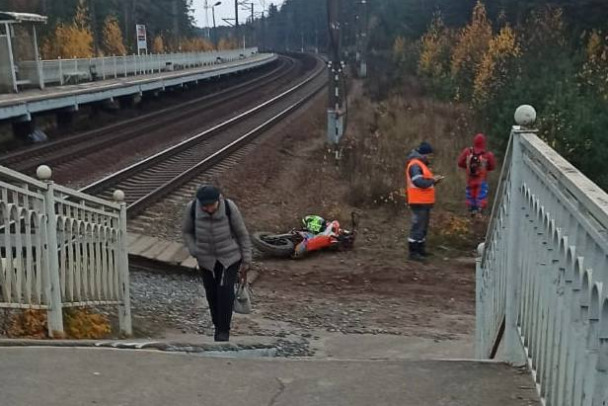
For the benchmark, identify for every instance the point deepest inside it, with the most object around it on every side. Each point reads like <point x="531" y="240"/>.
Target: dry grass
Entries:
<point x="79" y="323"/>
<point x="382" y="135"/>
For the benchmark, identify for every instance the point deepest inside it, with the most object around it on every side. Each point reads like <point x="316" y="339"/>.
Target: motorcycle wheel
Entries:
<point x="276" y="247"/>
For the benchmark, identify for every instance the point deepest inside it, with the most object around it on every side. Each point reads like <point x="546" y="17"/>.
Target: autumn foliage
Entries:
<point x="471" y="45"/>
<point x="227" y="43"/>
<point x="158" y="46"/>
<point x="595" y="69"/>
<point x="473" y="62"/>
<point x="113" y="43"/>
<point x="196" y="44"/>
<point x="494" y="66"/>
<point x="71" y="40"/>
<point x="75" y="39"/>
<point x="436" y="47"/>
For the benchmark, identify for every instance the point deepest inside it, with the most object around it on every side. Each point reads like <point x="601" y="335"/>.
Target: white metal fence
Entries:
<point x="61" y="248"/>
<point x="542" y="274"/>
<point x="66" y="71"/>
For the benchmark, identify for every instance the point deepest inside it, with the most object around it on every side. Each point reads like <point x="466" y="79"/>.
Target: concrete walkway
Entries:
<point x="77" y="377"/>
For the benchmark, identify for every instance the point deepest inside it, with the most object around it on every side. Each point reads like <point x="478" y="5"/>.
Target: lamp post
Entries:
<point x="214" y="28"/>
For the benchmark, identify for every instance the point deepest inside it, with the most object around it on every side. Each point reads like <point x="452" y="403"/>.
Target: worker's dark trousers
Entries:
<point x="219" y="288"/>
<point x="421" y="215"/>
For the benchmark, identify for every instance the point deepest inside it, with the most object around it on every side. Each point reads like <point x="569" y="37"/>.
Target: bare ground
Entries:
<point x="371" y="290"/>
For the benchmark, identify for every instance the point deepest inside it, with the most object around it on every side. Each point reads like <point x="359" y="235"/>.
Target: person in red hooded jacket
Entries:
<point x="477" y="162"/>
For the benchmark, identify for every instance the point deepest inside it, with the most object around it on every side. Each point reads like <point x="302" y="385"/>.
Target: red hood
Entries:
<point x="479" y="143"/>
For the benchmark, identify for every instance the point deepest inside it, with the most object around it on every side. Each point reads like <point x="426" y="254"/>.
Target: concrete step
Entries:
<point x="144" y="378"/>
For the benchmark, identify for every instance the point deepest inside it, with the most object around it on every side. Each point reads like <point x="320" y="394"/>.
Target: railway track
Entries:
<point x="69" y="148"/>
<point x="148" y="181"/>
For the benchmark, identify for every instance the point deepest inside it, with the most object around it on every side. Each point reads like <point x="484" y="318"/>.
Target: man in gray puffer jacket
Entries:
<point x="215" y="234"/>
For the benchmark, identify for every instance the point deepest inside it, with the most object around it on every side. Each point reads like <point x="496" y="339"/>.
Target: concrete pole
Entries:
<point x="335" y="113"/>
<point x="11" y="57"/>
<point x="334" y="50"/>
<point x="253" y="41"/>
<point x="206" y="6"/>
<point x="363" y="40"/>
<point x="236" y="21"/>
<point x="175" y="23"/>
<point x="94" y="28"/>
<point x="214" y="28"/>
<point x="263" y="31"/>
<point x="39" y="69"/>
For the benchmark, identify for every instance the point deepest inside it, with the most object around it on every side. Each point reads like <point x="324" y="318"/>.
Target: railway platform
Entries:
<point x="20" y="107"/>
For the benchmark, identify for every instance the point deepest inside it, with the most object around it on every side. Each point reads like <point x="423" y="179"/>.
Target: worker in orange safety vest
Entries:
<point x="420" y="197"/>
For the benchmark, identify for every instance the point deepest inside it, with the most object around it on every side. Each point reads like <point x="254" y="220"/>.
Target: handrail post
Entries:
<point x="52" y="288"/>
<point x="513" y="348"/>
<point x="479" y="306"/>
<point x="124" y="310"/>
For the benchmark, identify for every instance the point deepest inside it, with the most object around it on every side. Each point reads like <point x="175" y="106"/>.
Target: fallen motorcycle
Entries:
<point x="297" y="243"/>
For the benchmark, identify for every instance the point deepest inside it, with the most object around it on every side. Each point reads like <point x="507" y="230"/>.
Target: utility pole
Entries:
<point x="363" y="40"/>
<point x="253" y="41"/>
<point x="176" y="24"/>
<point x="336" y="109"/>
<point x="251" y="7"/>
<point x="206" y="7"/>
<point x="94" y="27"/>
<point x="236" y="21"/>
<point x="287" y="32"/>
<point x="214" y="29"/>
<point x="263" y="30"/>
<point x="127" y="30"/>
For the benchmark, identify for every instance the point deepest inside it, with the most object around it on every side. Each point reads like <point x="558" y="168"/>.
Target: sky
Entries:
<point x="226" y="10"/>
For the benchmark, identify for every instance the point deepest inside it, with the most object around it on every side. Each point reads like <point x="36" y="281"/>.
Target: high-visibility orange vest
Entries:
<point x="416" y="195"/>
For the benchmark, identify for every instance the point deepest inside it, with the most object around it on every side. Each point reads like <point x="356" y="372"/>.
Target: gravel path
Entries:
<point x="178" y="301"/>
<point x="172" y="299"/>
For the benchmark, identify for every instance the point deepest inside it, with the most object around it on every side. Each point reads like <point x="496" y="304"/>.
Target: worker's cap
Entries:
<point x="207" y="195"/>
<point x="424" y="148"/>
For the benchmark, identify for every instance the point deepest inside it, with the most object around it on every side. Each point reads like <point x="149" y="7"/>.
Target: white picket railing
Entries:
<point x="542" y="273"/>
<point x="65" y="71"/>
<point x="61" y="248"/>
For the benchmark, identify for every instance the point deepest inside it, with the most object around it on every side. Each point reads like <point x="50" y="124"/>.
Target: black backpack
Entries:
<point x="227" y="208"/>
<point x="474" y="164"/>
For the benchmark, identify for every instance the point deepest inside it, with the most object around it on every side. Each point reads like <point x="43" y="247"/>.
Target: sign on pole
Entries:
<point x="142" y="40"/>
